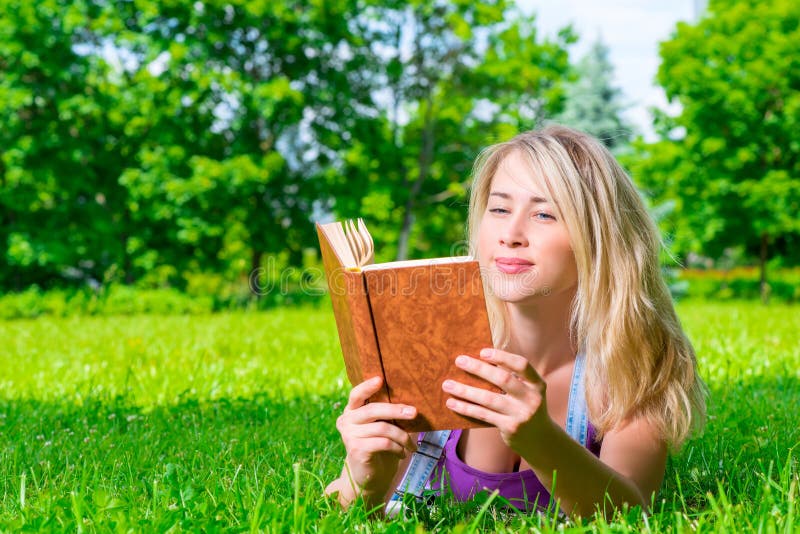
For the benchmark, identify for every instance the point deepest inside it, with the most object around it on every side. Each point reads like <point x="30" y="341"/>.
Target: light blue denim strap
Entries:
<point x="577" y="410"/>
<point x="429" y="450"/>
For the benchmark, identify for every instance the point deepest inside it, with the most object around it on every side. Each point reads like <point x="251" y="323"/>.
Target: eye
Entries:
<point x="499" y="211"/>
<point x="544" y="216"/>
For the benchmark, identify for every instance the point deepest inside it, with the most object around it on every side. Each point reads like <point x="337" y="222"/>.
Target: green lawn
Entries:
<point x="226" y="423"/>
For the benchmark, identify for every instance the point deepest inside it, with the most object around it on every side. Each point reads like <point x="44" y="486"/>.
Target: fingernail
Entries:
<point x="375" y="380"/>
<point x="487" y="353"/>
<point x="461" y="360"/>
<point x="447" y="385"/>
<point x="407" y="411"/>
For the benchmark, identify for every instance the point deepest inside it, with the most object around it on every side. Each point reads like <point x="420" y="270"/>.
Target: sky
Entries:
<point x="632" y="30"/>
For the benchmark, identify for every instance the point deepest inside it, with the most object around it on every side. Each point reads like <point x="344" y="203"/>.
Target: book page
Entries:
<point x="416" y="263"/>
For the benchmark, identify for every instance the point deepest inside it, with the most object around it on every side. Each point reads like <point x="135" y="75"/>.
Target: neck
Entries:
<point x="540" y="332"/>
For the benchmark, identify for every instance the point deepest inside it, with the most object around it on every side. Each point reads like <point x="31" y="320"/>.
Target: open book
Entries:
<point x="406" y="321"/>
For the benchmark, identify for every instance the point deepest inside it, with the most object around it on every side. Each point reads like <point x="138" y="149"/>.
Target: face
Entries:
<point x="523" y="246"/>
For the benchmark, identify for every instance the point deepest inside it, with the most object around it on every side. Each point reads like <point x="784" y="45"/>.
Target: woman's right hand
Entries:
<point x="374" y="446"/>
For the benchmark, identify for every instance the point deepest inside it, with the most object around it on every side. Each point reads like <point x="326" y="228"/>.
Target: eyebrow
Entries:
<point x="534" y="199"/>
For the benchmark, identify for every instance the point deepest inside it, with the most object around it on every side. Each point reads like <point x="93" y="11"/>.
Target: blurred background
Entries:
<point x="172" y="155"/>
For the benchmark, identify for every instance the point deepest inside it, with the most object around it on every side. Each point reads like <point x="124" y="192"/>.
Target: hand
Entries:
<point x="374" y="446"/>
<point x="520" y="412"/>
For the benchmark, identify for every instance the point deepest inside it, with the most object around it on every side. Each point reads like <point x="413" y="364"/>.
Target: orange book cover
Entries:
<point x="406" y="321"/>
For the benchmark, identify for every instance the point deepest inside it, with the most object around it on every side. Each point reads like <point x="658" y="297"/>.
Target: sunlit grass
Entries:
<point x="227" y="423"/>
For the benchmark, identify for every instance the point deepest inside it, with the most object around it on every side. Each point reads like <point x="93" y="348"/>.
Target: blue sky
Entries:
<point x="632" y="30"/>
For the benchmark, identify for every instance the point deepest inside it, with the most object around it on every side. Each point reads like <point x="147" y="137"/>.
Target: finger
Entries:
<point x="385" y="430"/>
<point x="363" y="391"/>
<point x="372" y="445"/>
<point x="474" y="411"/>
<point x="489" y="399"/>
<point x="499" y="376"/>
<point x="513" y="362"/>
<point x="380" y="411"/>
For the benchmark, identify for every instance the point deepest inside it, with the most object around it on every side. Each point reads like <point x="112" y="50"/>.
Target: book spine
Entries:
<point x="367" y="351"/>
<point x="354" y="321"/>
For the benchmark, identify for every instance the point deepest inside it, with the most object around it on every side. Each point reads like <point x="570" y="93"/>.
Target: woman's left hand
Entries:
<point x="520" y="412"/>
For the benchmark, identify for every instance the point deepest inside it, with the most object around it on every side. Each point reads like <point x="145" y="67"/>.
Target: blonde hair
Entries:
<point x="623" y="318"/>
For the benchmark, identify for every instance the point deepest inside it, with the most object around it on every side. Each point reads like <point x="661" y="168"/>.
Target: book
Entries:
<point x="406" y="321"/>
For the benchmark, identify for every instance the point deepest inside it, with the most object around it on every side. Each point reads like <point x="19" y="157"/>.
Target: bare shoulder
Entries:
<point x="636" y="450"/>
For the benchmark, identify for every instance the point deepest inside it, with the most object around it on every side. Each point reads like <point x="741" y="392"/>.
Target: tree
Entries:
<point x="593" y="104"/>
<point x="731" y="157"/>
<point x="270" y="86"/>
<point x="61" y="208"/>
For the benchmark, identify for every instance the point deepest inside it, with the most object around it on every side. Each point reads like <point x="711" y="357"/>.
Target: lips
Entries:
<point x="513" y="265"/>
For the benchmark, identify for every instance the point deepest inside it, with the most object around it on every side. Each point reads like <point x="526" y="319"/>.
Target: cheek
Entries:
<point x="568" y="264"/>
<point x="560" y="250"/>
<point x="482" y="241"/>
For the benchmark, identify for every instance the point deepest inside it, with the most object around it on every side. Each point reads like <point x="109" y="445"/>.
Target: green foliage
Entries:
<point x="145" y="142"/>
<point x="222" y="174"/>
<point x="227" y="423"/>
<point x="731" y="157"/>
<point x="276" y="285"/>
<point x="151" y="143"/>
<point x="149" y="136"/>
<point x="61" y="209"/>
<point x="740" y="284"/>
<point x="112" y="300"/>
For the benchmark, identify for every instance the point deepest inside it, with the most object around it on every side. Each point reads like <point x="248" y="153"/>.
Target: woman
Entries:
<point x="569" y="256"/>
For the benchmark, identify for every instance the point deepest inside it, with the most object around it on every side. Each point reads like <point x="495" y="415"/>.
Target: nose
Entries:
<point x="513" y="234"/>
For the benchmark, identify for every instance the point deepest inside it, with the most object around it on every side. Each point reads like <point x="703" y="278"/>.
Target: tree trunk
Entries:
<point x="255" y="262"/>
<point x="127" y="264"/>
<point x="127" y="261"/>
<point x="254" y="280"/>
<point x="762" y="265"/>
<point x="405" y="232"/>
<point x="425" y="160"/>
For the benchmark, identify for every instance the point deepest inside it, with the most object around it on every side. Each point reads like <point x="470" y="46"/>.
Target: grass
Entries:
<point x="226" y="423"/>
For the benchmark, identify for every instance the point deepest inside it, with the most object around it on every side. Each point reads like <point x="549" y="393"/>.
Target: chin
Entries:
<point x="514" y="291"/>
<point x="521" y="297"/>
<point x="515" y="288"/>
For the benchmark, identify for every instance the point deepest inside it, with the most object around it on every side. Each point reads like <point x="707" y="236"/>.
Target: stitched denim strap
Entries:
<point x="429" y="450"/>
<point x="577" y="411"/>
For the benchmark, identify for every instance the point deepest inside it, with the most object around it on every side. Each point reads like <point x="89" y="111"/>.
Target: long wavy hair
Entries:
<point x="639" y="362"/>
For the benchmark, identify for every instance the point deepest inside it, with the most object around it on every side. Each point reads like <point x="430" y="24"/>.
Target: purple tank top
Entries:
<point x="522" y="489"/>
